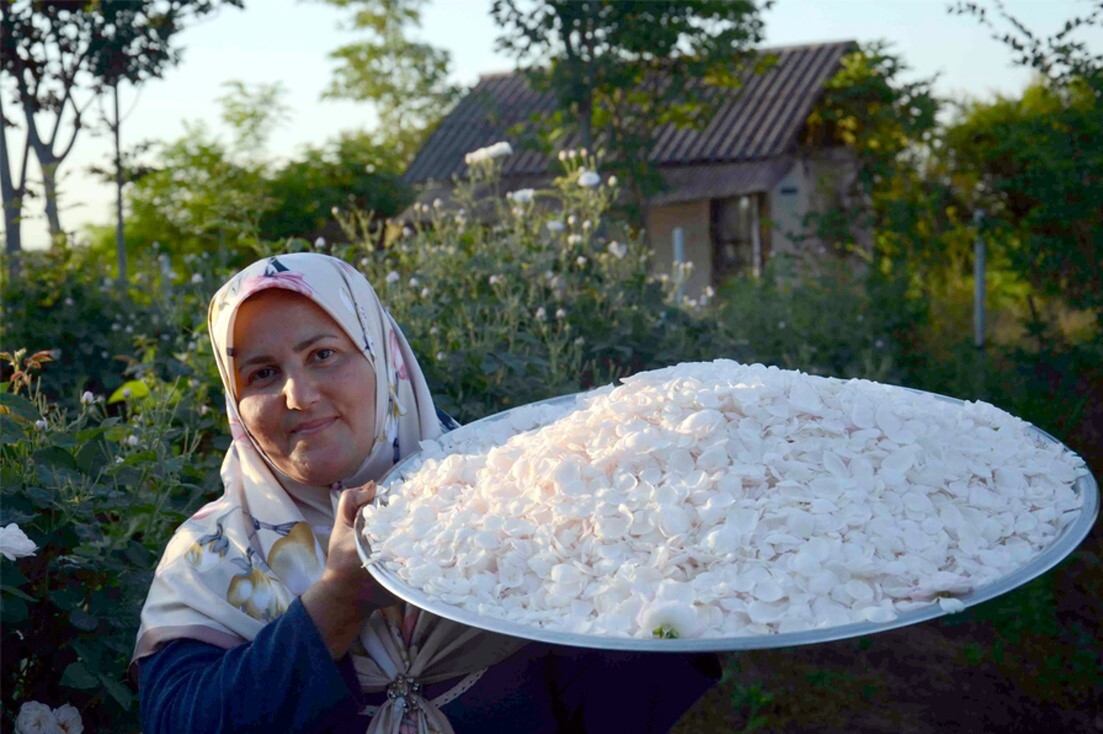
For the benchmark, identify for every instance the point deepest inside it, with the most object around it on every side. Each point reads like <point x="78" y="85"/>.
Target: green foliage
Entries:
<point x="621" y="70"/>
<point x="54" y="51"/>
<point x="1036" y="168"/>
<point x="405" y="80"/>
<point x="98" y="490"/>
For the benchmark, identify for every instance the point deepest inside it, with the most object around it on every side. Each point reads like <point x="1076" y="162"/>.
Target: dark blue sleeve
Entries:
<point x="284" y="680"/>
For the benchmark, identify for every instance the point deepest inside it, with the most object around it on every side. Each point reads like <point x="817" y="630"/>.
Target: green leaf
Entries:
<point x="82" y="620"/>
<point x="17" y="592"/>
<point x="76" y="675"/>
<point x="56" y="457"/>
<point x="10" y="429"/>
<point x="19" y="405"/>
<point x="12" y="610"/>
<point x="135" y="389"/>
<point x="118" y="691"/>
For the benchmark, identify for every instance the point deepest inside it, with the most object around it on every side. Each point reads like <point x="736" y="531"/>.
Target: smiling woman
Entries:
<point x="305" y="392"/>
<point x="260" y="616"/>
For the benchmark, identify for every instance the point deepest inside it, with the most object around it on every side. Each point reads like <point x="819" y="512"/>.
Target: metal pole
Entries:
<point x="756" y="241"/>
<point x="978" y="283"/>
<point x="679" y="258"/>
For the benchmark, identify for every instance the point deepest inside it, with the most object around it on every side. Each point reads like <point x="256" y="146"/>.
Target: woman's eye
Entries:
<point x="260" y="375"/>
<point x="323" y="354"/>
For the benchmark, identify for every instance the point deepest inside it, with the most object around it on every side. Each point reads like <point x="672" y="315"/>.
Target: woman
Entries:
<point x="261" y="616"/>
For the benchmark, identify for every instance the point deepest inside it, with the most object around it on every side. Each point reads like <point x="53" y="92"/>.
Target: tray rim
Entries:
<point x="1062" y="546"/>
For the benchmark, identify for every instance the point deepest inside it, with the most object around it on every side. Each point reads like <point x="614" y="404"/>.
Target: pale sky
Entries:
<point x="289" y="41"/>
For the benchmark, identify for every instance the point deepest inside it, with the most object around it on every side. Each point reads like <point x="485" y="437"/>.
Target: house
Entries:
<point x="738" y="189"/>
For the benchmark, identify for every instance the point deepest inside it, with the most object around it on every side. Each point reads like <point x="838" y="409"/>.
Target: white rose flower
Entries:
<point x="560" y="313"/>
<point x="87" y="398"/>
<point x="424" y="292"/>
<point x="132" y="440"/>
<point x="541" y="314"/>
<point x="393" y="277"/>
<point x="617" y="250"/>
<point x="40" y="424"/>
<point x="612" y="181"/>
<point x="437" y="203"/>
<point x="574" y="239"/>
<point x="588" y="179"/>
<point x="675" y="619"/>
<point x="36" y="718"/>
<point x="414" y="282"/>
<point x="580" y="261"/>
<point x="555" y="226"/>
<point x="68" y="719"/>
<point x="521" y="196"/>
<point x="14" y="543"/>
<point x="319" y="243"/>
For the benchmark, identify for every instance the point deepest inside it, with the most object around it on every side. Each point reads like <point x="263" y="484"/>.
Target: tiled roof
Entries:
<point x="761" y="119"/>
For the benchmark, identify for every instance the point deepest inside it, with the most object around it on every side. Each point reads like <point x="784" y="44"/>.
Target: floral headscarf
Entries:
<point x="238" y="562"/>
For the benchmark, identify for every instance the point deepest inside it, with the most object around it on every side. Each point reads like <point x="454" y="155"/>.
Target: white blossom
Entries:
<point x="424" y="292"/>
<point x="588" y="179"/>
<point x="440" y="356"/>
<point x="617" y="250"/>
<point x="521" y="196"/>
<point x="40" y="424"/>
<point x="580" y="261"/>
<point x="541" y="314"/>
<point x="36" y="718"/>
<point x="14" y="543"/>
<point x="555" y="225"/>
<point x="434" y="330"/>
<point x="612" y="181"/>
<point x="68" y="719"/>
<point x="406" y="231"/>
<point x="437" y="203"/>
<point x="87" y="398"/>
<point x="488" y="153"/>
<point x="414" y="282"/>
<point x="493" y="280"/>
<point x="560" y="313"/>
<point x="574" y="239"/>
<point x="132" y="440"/>
<point x="393" y="277"/>
<point x="196" y="278"/>
<point x="319" y="243"/>
<point x="69" y="301"/>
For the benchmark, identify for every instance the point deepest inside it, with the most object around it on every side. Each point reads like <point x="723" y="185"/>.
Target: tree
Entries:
<point x="888" y="125"/>
<point x="1036" y="163"/>
<point x="60" y="56"/>
<point x="407" y="81"/>
<point x="620" y="69"/>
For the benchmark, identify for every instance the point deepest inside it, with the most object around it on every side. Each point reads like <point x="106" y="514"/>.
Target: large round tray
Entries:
<point x="1065" y="542"/>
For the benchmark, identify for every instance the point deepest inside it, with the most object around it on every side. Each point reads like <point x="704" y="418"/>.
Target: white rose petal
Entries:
<point x="14" y="543"/>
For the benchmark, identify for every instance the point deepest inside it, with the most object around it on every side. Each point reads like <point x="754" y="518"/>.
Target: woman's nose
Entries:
<point x="300" y="391"/>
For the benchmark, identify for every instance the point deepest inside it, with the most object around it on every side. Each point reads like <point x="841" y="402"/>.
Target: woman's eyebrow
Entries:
<point x="304" y="344"/>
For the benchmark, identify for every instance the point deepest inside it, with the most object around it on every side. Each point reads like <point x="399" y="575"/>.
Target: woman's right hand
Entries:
<point x="346" y="593"/>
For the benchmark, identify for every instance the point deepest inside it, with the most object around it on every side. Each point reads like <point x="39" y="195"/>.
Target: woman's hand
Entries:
<point x="346" y="593"/>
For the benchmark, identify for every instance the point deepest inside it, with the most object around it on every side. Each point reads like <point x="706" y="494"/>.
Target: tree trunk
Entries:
<point x="12" y="199"/>
<point x="49" y="186"/>
<point x="120" y="239"/>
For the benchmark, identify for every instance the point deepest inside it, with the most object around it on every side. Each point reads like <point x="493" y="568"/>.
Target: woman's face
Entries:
<point x="304" y="390"/>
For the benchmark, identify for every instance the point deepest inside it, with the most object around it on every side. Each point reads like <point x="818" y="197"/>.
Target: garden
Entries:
<point x="112" y="428"/>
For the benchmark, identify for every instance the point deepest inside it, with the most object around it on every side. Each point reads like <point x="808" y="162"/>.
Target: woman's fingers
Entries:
<point x="352" y="499"/>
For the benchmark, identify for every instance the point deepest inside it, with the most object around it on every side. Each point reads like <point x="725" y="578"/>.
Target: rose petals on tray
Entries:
<point x="722" y="500"/>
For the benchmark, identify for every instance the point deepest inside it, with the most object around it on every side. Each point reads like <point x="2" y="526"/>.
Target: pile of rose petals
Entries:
<point x="719" y="500"/>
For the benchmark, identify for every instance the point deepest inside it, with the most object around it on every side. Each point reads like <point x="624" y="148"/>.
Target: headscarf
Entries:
<point x="237" y="563"/>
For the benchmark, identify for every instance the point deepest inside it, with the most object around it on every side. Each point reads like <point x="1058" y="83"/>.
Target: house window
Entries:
<point x="738" y="245"/>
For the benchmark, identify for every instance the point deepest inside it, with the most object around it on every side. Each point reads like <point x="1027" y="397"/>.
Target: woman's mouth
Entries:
<point x="308" y="427"/>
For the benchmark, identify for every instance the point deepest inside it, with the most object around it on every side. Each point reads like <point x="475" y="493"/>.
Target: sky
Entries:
<point x="289" y="41"/>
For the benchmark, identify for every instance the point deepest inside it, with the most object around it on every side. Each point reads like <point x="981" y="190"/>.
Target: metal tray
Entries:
<point x="1065" y="542"/>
